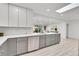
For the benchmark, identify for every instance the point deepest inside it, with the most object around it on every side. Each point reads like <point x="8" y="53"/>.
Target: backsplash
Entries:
<point x="15" y="31"/>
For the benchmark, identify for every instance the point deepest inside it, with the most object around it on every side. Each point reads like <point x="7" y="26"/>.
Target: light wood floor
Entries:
<point x="67" y="47"/>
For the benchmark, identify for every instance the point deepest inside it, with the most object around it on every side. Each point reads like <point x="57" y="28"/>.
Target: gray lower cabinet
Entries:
<point x="57" y="38"/>
<point x="12" y="46"/>
<point x="3" y="49"/>
<point x="48" y="40"/>
<point x="8" y="48"/>
<point x="15" y="46"/>
<point x="33" y="43"/>
<point x="42" y="41"/>
<point x="22" y="45"/>
<point x="52" y="39"/>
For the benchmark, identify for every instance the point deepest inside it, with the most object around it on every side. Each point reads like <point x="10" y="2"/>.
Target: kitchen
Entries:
<point x="25" y="30"/>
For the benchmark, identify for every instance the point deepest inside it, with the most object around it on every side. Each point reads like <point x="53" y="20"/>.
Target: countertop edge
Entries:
<point x="4" y="38"/>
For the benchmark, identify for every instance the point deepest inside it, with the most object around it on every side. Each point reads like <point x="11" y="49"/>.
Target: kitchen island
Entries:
<point x="20" y="44"/>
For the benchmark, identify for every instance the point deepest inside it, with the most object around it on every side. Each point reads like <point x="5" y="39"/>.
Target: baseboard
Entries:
<point x="72" y="38"/>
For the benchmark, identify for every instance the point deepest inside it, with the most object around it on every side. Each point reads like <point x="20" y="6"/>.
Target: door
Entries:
<point x="33" y="43"/>
<point x="3" y="14"/>
<point x="13" y="16"/>
<point x="22" y="46"/>
<point x="22" y="17"/>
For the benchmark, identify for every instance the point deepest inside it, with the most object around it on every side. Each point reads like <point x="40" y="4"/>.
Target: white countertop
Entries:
<point x="4" y="38"/>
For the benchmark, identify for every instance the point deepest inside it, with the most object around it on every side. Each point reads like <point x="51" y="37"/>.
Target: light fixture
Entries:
<point x="68" y="7"/>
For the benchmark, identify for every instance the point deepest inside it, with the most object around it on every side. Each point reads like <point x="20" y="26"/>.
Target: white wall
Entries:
<point x="48" y="28"/>
<point x="12" y="31"/>
<point x="73" y="31"/>
<point x="44" y="20"/>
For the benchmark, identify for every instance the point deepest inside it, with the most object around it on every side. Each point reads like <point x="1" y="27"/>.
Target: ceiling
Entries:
<point x="41" y="8"/>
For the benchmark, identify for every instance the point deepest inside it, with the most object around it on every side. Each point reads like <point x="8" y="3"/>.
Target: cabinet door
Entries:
<point x="50" y="39"/>
<point x="29" y="17"/>
<point x="0" y="50"/>
<point x="53" y="39"/>
<point x="22" y="45"/>
<point x="22" y="17"/>
<point x="57" y="39"/>
<point x="12" y="46"/>
<point x="33" y="43"/>
<point x="3" y="14"/>
<point x="42" y="40"/>
<point x="13" y="16"/>
<point x="4" y="49"/>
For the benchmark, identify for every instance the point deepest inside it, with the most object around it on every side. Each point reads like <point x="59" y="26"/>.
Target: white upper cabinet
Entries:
<point x="22" y="17"/>
<point x="29" y="18"/>
<point x="3" y="14"/>
<point x="13" y="16"/>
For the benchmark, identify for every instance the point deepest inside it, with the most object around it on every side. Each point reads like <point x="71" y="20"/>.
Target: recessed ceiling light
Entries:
<point x="47" y="10"/>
